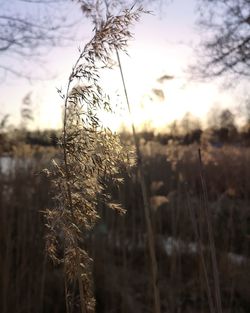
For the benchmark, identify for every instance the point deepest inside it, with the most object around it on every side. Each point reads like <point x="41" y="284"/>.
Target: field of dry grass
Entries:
<point x="118" y="244"/>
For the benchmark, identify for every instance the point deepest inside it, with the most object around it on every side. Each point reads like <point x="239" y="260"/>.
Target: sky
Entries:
<point x="163" y="44"/>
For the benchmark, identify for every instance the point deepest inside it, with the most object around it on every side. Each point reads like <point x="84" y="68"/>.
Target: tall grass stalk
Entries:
<point x="198" y="239"/>
<point x="150" y="233"/>
<point x="91" y="155"/>
<point x="208" y="217"/>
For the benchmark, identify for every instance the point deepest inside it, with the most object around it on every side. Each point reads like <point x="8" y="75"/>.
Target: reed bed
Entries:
<point x="118" y="244"/>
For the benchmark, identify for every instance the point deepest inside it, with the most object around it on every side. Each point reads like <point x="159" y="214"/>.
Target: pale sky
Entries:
<point x="162" y="44"/>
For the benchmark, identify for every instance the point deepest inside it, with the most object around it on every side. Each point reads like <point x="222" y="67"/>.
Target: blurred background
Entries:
<point x="186" y="74"/>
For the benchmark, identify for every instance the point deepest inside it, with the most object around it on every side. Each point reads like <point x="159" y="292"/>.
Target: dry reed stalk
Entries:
<point x="146" y="206"/>
<point x="20" y="237"/>
<point x="200" y="249"/>
<point x="215" y="271"/>
<point x="90" y="154"/>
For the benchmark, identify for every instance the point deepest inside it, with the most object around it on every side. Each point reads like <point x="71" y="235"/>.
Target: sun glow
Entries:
<point x="161" y="47"/>
<point x="153" y="103"/>
<point x="156" y="102"/>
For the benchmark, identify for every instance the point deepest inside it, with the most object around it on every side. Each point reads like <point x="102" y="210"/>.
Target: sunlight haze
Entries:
<point x="162" y="45"/>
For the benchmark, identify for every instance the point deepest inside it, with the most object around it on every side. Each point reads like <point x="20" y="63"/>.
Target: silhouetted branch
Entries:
<point x="225" y="47"/>
<point x="29" y="30"/>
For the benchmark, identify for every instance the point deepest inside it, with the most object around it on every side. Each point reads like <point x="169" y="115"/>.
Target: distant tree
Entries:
<point x="245" y="114"/>
<point x="189" y="123"/>
<point x="26" y="111"/>
<point x="222" y="125"/>
<point x="3" y="126"/>
<point x="173" y="128"/>
<point x="4" y="123"/>
<point x="28" y="30"/>
<point x="228" y="129"/>
<point x="225" y="47"/>
<point x="212" y="118"/>
<point x="227" y="119"/>
<point x="246" y="111"/>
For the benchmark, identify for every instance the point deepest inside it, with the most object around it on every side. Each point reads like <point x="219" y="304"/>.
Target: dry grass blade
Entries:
<point x="211" y="238"/>
<point x="200" y="249"/>
<point x="90" y="153"/>
<point x="146" y="207"/>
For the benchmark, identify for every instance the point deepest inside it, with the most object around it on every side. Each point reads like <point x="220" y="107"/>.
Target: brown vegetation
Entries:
<point x="117" y="244"/>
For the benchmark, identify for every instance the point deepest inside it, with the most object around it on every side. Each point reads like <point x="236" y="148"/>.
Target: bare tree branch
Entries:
<point x="29" y="28"/>
<point x="225" y="47"/>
